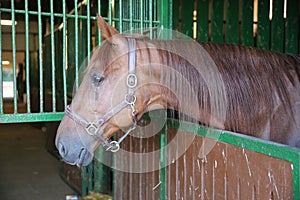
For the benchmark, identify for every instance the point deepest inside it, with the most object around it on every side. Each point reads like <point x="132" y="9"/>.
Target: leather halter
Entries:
<point x="92" y="128"/>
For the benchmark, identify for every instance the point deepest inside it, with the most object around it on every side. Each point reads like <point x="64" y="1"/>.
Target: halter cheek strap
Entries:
<point x="93" y="128"/>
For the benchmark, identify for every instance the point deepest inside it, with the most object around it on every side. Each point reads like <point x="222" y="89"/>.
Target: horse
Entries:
<point x="224" y="86"/>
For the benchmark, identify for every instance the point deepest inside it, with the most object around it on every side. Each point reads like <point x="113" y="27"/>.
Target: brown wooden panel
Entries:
<point x="228" y="172"/>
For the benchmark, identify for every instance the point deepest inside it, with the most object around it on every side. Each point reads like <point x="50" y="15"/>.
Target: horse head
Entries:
<point x="106" y="100"/>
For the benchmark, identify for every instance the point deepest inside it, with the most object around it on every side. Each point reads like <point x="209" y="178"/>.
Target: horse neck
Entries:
<point x="181" y="85"/>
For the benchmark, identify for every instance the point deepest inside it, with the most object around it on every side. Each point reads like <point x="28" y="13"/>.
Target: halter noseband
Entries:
<point x="92" y="128"/>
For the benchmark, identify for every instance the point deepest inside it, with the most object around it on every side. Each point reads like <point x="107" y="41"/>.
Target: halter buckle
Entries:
<point x="91" y="129"/>
<point x="131" y="80"/>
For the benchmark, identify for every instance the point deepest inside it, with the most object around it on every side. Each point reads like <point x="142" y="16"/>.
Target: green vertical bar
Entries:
<point x="27" y="56"/>
<point x="141" y="16"/>
<point x="110" y="12"/>
<point x="1" y="72"/>
<point x="40" y="56"/>
<point x="84" y="181"/>
<point x="76" y="45"/>
<point x="296" y="178"/>
<point x="99" y="32"/>
<point x="165" y="13"/>
<point x="88" y="29"/>
<point x="120" y="16"/>
<point x="263" y="29"/>
<point x="131" y="14"/>
<point x="292" y="36"/>
<point x="232" y="21"/>
<point x="162" y="171"/>
<point x="187" y="18"/>
<point x="175" y="20"/>
<point x="151" y="18"/>
<point x="52" y="57"/>
<point x="217" y="21"/>
<point x="277" y="26"/>
<point x="202" y="20"/>
<point x="14" y="64"/>
<point x="247" y="38"/>
<point x="64" y="61"/>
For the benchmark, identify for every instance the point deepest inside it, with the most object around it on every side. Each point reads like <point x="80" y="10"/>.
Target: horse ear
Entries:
<point x="107" y="31"/>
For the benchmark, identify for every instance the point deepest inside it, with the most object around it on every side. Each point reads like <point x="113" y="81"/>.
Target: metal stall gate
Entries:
<point x="41" y="51"/>
<point x="52" y="38"/>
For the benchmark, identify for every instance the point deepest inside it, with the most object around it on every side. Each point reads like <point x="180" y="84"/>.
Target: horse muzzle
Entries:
<point x="71" y="149"/>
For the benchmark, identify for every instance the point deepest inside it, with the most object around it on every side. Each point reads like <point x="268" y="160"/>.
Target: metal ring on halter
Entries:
<point x="131" y="80"/>
<point x="114" y="146"/>
<point x="130" y="101"/>
<point x="91" y="129"/>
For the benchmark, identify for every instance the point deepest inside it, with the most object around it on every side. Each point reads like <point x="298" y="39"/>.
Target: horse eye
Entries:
<point x="97" y="80"/>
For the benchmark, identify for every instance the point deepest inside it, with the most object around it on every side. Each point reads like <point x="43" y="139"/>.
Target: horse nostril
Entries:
<point x="62" y="150"/>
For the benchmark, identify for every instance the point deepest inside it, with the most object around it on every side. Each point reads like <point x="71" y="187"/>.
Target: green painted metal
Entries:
<point x="277" y="27"/>
<point x="216" y="15"/>
<point x="232" y="21"/>
<point x="292" y="41"/>
<point x="64" y="54"/>
<point x="202" y="20"/>
<point x="162" y="171"/>
<point x="187" y="19"/>
<point x="40" y="58"/>
<point x="27" y="58"/>
<point x="31" y="117"/>
<point x="14" y="64"/>
<point x="263" y="30"/>
<point x="247" y="23"/>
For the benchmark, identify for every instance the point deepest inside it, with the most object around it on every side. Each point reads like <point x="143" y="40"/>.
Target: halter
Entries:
<point x="92" y="128"/>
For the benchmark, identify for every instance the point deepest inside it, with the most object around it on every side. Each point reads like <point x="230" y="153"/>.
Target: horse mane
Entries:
<point x="255" y="81"/>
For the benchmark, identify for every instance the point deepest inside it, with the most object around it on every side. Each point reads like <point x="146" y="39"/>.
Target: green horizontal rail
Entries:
<point x="31" y="117"/>
<point x="71" y="16"/>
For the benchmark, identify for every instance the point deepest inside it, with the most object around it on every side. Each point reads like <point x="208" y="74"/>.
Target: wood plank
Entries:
<point x="232" y="22"/>
<point x="202" y="20"/>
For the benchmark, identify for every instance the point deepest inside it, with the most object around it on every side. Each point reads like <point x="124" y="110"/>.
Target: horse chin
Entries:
<point x="85" y="158"/>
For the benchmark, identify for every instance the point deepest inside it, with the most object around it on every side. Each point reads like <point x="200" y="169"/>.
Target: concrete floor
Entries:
<point x="27" y="170"/>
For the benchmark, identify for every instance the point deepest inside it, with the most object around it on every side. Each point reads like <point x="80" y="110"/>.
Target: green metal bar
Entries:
<point x="27" y="56"/>
<point x="14" y="64"/>
<point x="99" y="32"/>
<point x="110" y="16"/>
<point x="247" y="38"/>
<point x="31" y="117"/>
<point x="1" y="72"/>
<point x="187" y="19"/>
<point x="88" y="5"/>
<point x="263" y="25"/>
<point x="175" y="11"/>
<point x="151" y="18"/>
<point x="64" y="46"/>
<point x="76" y="45"/>
<point x="40" y="56"/>
<point x="202" y="20"/>
<point x="83" y="181"/>
<point x="277" y="26"/>
<point x="232" y="21"/>
<point x="217" y="21"/>
<point x="121" y="16"/>
<point x="141" y="16"/>
<point x="131" y="14"/>
<point x="52" y="58"/>
<point x="162" y="171"/>
<point x="164" y="13"/>
<point x="292" y="38"/>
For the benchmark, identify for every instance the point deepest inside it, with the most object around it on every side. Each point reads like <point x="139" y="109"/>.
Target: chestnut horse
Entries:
<point x="258" y="91"/>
